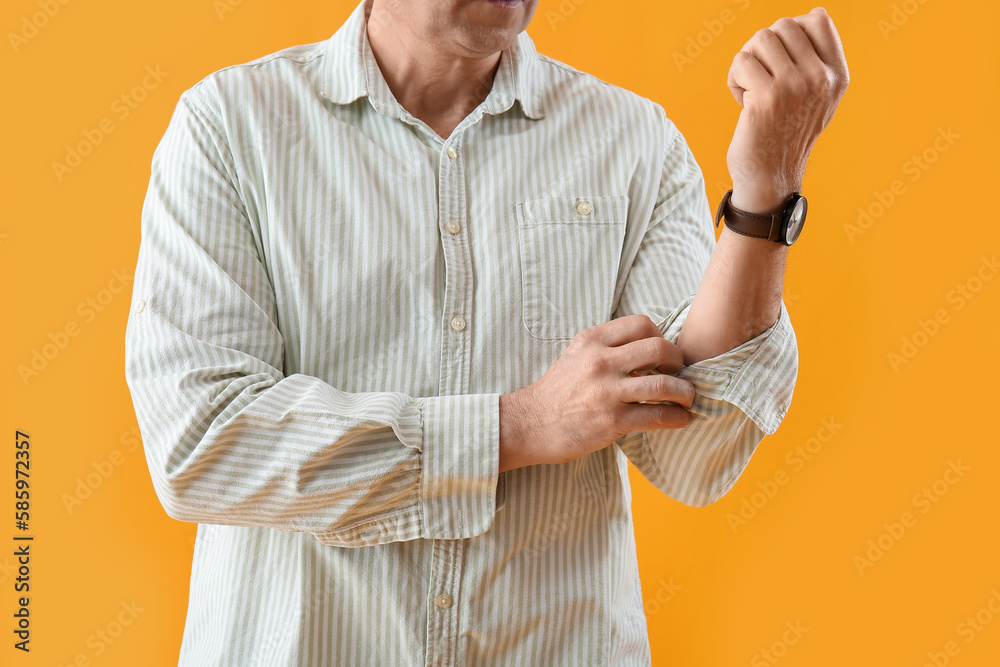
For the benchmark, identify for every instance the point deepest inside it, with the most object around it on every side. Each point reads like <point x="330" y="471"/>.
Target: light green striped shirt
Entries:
<point x="328" y="302"/>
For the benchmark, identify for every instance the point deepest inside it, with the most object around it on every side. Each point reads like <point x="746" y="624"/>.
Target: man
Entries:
<point x="409" y="299"/>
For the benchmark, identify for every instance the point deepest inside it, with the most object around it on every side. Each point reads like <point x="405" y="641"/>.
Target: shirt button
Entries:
<point x="584" y="208"/>
<point x="452" y="153"/>
<point x="444" y="601"/>
<point x="457" y="323"/>
<point x="140" y="306"/>
<point x="453" y="227"/>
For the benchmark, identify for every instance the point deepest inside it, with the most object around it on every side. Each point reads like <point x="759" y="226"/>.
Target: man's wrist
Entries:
<point x="512" y="450"/>
<point x="760" y="199"/>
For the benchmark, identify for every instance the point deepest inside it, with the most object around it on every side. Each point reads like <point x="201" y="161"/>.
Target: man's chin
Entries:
<point x="486" y="38"/>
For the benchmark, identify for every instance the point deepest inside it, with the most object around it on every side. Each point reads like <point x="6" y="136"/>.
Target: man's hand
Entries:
<point x="788" y="78"/>
<point x="589" y="397"/>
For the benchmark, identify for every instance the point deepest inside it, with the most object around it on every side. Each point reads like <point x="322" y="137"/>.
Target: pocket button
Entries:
<point x="570" y="249"/>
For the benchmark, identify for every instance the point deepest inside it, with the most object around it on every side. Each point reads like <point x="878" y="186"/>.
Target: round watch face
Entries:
<point x="796" y="220"/>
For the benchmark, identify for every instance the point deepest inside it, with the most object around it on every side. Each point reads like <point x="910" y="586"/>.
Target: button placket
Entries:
<point x="447" y="561"/>
<point x="443" y="612"/>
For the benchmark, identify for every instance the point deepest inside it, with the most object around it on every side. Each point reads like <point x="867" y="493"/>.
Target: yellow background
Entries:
<point x="718" y="591"/>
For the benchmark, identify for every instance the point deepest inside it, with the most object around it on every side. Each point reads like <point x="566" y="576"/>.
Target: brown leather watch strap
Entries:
<point x="759" y="226"/>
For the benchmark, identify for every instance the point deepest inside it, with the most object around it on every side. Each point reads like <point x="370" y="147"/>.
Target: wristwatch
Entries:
<point x="783" y="226"/>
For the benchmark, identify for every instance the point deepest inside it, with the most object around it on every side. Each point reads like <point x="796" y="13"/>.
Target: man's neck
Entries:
<point x="435" y="85"/>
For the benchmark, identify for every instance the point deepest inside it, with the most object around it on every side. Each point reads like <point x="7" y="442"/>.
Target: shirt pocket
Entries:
<point x="570" y="248"/>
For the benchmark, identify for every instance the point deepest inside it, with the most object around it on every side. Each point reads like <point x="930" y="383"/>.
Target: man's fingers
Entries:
<point x="654" y="417"/>
<point x="655" y="352"/>
<point x="623" y="330"/>
<point x="825" y="39"/>
<point x="657" y="387"/>
<point x="797" y="43"/>
<point x="770" y="52"/>
<point x="746" y="73"/>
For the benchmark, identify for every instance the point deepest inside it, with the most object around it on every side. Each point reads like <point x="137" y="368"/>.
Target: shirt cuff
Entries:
<point x="757" y="376"/>
<point x="460" y="445"/>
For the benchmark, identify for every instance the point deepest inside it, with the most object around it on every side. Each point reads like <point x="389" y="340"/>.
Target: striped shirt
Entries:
<point x="329" y="300"/>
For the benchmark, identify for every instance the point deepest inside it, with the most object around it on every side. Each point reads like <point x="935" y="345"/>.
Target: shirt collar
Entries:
<point x="351" y="72"/>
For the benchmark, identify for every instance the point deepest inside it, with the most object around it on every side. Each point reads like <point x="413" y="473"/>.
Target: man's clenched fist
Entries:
<point x="789" y="79"/>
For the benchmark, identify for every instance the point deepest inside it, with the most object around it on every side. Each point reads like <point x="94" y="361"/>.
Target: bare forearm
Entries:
<point x="740" y="294"/>
<point x="789" y="79"/>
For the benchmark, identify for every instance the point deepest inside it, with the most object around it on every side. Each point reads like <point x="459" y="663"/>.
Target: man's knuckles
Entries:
<point x="659" y="349"/>
<point x="764" y="40"/>
<point x="786" y="23"/>
<point x="665" y="388"/>
<point x="743" y="59"/>
<point x="638" y="325"/>
<point x="671" y="416"/>
<point x="656" y="387"/>
<point x="819" y="20"/>
<point x="674" y="389"/>
<point x="598" y="364"/>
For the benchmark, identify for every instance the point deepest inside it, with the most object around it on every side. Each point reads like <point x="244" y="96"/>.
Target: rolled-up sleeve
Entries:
<point x="742" y="394"/>
<point x="229" y="438"/>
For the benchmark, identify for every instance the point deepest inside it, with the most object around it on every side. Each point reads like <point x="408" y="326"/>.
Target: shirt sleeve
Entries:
<point x="229" y="438"/>
<point x="741" y="394"/>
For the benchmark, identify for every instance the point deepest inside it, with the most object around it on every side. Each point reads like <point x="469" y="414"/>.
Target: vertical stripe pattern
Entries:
<point x="328" y="302"/>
